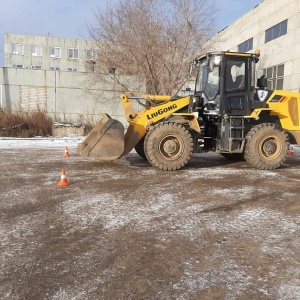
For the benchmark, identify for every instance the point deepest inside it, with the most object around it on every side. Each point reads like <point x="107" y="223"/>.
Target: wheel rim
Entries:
<point x="270" y="147"/>
<point x="171" y="147"/>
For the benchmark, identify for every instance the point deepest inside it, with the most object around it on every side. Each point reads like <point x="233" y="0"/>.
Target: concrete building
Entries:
<point x="57" y="75"/>
<point x="48" y="53"/>
<point x="273" y="26"/>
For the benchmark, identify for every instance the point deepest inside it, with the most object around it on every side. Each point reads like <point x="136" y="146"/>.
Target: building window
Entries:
<point x="36" y="50"/>
<point x="246" y="46"/>
<point x="73" y="53"/>
<point x="275" y="77"/>
<point x="54" y="68"/>
<point x="36" y="67"/>
<point x="55" y="52"/>
<point x="276" y="31"/>
<point x="90" y="55"/>
<point x="18" y="49"/>
<point x="18" y="66"/>
<point x="72" y="69"/>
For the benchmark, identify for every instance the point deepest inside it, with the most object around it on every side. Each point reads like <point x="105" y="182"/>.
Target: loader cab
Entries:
<point x="225" y="83"/>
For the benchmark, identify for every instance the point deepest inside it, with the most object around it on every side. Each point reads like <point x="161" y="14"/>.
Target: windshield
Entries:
<point x="208" y="80"/>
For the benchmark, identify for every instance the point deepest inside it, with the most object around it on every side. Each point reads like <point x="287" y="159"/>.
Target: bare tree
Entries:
<point x="153" y="39"/>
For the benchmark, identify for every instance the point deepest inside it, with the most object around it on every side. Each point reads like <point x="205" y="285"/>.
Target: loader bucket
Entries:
<point x="105" y="142"/>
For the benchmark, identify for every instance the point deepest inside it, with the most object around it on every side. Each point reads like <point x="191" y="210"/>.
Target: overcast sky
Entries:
<point x="69" y="18"/>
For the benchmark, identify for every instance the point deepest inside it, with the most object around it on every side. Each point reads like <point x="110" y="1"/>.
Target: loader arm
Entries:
<point x="140" y="122"/>
<point x="107" y="141"/>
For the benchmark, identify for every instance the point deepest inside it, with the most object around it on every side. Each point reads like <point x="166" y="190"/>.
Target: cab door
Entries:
<point x="236" y="88"/>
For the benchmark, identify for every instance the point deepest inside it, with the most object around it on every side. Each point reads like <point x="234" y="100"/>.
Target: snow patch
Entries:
<point x="21" y="143"/>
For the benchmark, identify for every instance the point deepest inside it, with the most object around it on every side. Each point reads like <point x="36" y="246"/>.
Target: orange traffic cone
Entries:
<point x="63" y="179"/>
<point x="292" y="153"/>
<point x="66" y="152"/>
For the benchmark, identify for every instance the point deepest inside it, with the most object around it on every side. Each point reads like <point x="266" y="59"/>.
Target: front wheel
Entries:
<point x="267" y="146"/>
<point x="139" y="148"/>
<point x="168" y="146"/>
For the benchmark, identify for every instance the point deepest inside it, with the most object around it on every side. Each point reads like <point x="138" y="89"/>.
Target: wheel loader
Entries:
<point x="229" y="113"/>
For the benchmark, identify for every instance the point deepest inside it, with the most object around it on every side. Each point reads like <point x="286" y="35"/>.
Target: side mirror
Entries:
<point x="262" y="82"/>
<point x="215" y="61"/>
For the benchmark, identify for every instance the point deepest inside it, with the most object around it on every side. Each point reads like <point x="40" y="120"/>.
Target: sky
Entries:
<point x="70" y="18"/>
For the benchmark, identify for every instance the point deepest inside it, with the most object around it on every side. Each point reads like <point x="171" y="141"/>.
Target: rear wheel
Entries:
<point x="168" y="146"/>
<point x="267" y="146"/>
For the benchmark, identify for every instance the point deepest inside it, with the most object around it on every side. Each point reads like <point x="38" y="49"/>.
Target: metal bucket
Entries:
<point x="105" y="142"/>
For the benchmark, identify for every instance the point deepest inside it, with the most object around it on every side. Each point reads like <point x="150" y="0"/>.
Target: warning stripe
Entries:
<point x="282" y="99"/>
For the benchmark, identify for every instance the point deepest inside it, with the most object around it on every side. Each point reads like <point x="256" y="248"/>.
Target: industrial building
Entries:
<point x="273" y="27"/>
<point x="57" y="75"/>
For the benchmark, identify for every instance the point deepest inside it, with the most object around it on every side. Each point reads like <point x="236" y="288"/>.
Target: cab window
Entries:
<point x="235" y="75"/>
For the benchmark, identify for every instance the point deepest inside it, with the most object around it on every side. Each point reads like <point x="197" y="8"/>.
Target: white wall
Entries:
<point x="64" y="95"/>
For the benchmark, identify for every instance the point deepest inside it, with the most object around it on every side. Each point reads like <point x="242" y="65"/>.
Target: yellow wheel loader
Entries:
<point x="228" y="113"/>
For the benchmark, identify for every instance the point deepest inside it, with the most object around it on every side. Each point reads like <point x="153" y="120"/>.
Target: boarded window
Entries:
<point x="33" y="98"/>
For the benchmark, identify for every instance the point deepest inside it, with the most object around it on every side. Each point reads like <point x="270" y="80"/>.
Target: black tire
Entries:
<point x="233" y="156"/>
<point x="267" y="146"/>
<point x="139" y="148"/>
<point x="168" y="146"/>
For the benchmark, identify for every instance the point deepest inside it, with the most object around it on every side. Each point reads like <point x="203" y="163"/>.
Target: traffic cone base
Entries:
<point x="63" y="179"/>
<point x="66" y="152"/>
<point x="292" y="153"/>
